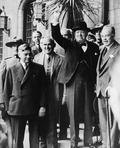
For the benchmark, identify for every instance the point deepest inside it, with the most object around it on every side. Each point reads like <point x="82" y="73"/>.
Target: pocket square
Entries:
<point x="111" y="56"/>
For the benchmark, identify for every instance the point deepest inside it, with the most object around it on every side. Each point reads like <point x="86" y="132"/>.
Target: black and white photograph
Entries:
<point x="59" y="74"/>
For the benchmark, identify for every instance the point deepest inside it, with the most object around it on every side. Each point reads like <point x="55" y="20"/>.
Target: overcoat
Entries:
<point x="78" y="73"/>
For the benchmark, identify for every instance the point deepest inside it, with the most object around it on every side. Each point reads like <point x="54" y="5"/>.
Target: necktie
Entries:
<point x="48" y="65"/>
<point x="104" y="51"/>
<point x="83" y="44"/>
<point x="48" y="60"/>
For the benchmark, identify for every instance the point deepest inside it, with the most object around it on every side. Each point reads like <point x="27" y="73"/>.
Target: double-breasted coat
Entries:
<point x="24" y="95"/>
<point x="24" y="91"/>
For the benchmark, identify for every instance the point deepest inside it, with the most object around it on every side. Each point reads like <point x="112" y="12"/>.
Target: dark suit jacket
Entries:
<point x="103" y="76"/>
<point x="74" y="55"/>
<point x="24" y="93"/>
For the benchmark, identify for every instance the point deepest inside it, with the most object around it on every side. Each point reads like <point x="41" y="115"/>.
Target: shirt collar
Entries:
<point x="108" y="47"/>
<point x="84" y="46"/>
<point x="23" y="64"/>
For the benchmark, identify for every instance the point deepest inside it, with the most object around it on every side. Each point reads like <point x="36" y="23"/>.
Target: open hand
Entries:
<point x="56" y="15"/>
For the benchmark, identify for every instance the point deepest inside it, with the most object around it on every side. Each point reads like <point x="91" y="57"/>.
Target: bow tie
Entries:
<point x="83" y="44"/>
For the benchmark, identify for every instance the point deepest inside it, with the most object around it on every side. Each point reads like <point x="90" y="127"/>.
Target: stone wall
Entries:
<point x="114" y="16"/>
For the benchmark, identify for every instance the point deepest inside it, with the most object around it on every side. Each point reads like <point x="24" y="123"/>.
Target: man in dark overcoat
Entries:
<point x="78" y="73"/>
<point x="24" y="97"/>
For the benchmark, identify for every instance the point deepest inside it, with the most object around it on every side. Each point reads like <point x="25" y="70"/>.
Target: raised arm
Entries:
<point x="63" y="42"/>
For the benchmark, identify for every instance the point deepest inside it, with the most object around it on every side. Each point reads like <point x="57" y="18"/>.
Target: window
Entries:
<point x="28" y="26"/>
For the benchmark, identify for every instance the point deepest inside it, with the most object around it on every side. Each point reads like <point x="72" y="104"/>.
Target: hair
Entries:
<point x="50" y="40"/>
<point x="24" y="46"/>
<point x="111" y="27"/>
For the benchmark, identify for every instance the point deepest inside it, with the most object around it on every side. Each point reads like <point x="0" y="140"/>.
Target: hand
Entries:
<point x="56" y="16"/>
<point x="42" y="111"/>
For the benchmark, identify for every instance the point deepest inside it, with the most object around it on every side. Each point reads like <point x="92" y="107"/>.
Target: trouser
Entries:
<point x="114" y="131"/>
<point x="9" y="130"/>
<point x="115" y="135"/>
<point x="51" y="134"/>
<point x="77" y="95"/>
<point x="63" y="121"/>
<point x="103" y="120"/>
<point x="51" y="137"/>
<point x="18" y="124"/>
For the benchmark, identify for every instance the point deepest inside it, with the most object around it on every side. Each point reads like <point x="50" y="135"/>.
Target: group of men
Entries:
<point x="85" y="66"/>
<point x="34" y="80"/>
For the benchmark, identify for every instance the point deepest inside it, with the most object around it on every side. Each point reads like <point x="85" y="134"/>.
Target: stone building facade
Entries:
<point x="21" y="24"/>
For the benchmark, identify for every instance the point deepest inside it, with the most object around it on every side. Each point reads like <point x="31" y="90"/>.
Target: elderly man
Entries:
<point x="78" y="74"/>
<point x="24" y="96"/>
<point x="5" y="64"/>
<point x="109" y="50"/>
<point x="36" y="36"/>
<point x="51" y="62"/>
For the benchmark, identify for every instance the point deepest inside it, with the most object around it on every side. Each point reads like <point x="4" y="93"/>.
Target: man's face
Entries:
<point x="107" y="36"/>
<point x="47" y="46"/>
<point x="80" y="36"/>
<point x="36" y="38"/>
<point x="98" y="37"/>
<point x="25" y="56"/>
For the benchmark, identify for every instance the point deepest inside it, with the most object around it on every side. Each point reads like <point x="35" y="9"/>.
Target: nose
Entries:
<point x="28" y="56"/>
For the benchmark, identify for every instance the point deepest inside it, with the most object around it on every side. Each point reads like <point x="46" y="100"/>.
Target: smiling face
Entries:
<point x="48" y="45"/>
<point x="107" y="35"/>
<point x="36" y="37"/>
<point x="80" y="36"/>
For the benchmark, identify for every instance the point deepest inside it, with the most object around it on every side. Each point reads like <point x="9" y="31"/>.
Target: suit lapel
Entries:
<point x="19" y="72"/>
<point x="41" y="58"/>
<point x="104" y="61"/>
<point x="27" y="74"/>
<point x="55" y="63"/>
